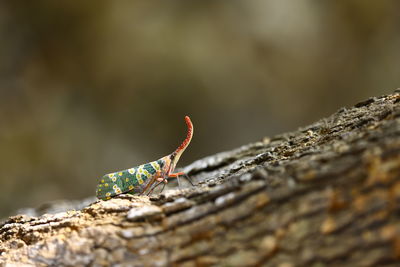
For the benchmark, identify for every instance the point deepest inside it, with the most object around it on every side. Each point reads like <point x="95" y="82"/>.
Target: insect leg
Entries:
<point x="179" y="181"/>
<point x="162" y="189"/>
<point x="176" y="175"/>
<point x="187" y="178"/>
<point x="173" y="175"/>
<point x="154" y="187"/>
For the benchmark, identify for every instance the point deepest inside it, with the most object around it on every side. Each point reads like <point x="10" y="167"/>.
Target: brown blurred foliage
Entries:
<point x="91" y="87"/>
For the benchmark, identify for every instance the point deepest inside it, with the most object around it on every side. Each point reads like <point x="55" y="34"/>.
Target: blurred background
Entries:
<point x="91" y="87"/>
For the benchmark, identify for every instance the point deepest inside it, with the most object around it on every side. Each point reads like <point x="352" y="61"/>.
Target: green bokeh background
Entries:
<point x="90" y="87"/>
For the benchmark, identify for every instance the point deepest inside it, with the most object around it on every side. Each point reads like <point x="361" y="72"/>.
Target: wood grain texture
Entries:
<point x="326" y="194"/>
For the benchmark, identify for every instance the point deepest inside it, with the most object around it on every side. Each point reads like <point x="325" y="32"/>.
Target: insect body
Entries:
<point x="144" y="178"/>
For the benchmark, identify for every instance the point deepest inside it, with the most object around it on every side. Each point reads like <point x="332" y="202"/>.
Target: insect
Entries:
<point x="144" y="178"/>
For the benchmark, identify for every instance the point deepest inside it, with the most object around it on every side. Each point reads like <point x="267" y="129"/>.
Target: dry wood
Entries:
<point x="326" y="194"/>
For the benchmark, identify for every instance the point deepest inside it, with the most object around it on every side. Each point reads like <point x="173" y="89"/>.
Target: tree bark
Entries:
<point x="326" y="194"/>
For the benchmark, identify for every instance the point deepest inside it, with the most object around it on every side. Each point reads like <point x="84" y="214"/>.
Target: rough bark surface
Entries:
<point x="326" y="194"/>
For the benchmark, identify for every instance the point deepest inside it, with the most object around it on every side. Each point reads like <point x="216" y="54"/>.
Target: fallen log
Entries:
<point x="326" y="194"/>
